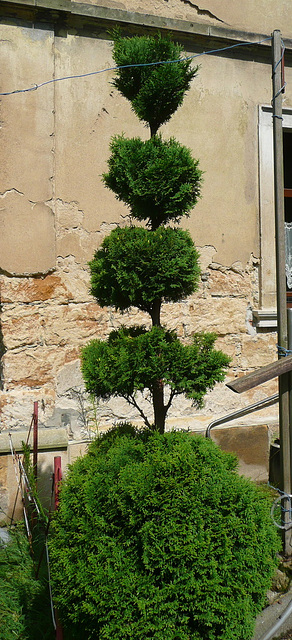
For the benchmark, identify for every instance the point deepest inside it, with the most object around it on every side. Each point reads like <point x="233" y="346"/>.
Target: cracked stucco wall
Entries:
<point x="55" y="211"/>
<point x="27" y="165"/>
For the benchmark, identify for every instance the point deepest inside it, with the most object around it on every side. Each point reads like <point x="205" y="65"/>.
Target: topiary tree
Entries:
<point x="158" y="538"/>
<point x="145" y="267"/>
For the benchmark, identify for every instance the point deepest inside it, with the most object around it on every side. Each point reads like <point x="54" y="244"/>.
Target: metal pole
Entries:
<point x="280" y="274"/>
<point x="35" y="439"/>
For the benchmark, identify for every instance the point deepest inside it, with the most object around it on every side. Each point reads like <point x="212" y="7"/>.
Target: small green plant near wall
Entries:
<point x="25" y="612"/>
<point x="25" y="604"/>
<point x="18" y="587"/>
<point x="158" y="538"/>
<point x="145" y="267"/>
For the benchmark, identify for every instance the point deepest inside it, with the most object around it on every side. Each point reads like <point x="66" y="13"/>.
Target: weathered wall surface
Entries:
<point x="262" y="16"/>
<point x="45" y="322"/>
<point x="55" y="211"/>
<point x="27" y="243"/>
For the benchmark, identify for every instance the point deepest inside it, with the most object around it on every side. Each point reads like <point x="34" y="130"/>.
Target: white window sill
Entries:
<point x="265" y="318"/>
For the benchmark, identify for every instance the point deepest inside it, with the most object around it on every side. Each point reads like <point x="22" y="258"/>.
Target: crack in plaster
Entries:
<point x="5" y="193"/>
<point x="37" y="274"/>
<point x="202" y="12"/>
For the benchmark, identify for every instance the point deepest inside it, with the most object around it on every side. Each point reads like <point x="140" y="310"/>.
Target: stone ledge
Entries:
<point x="49" y="439"/>
<point x="110" y="16"/>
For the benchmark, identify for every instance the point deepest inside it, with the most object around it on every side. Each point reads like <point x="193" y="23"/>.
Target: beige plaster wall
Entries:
<point x="26" y="151"/>
<point x="218" y="121"/>
<point x="55" y="211"/>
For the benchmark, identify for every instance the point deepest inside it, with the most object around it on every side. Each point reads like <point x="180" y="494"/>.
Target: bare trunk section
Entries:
<point x="155" y="313"/>
<point x="2" y="351"/>
<point x="158" y="388"/>
<point x="153" y="130"/>
<point x="158" y="406"/>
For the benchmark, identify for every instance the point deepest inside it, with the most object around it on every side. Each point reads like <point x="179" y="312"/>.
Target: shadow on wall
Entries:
<point x="251" y="445"/>
<point x="275" y="464"/>
<point x="2" y="351"/>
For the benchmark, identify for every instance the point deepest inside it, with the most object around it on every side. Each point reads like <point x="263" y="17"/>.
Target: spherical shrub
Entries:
<point x="135" y="267"/>
<point x="158" y="179"/>
<point x="157" y="537"/>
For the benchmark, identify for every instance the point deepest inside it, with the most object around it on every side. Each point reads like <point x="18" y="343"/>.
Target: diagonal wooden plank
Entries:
<point x="273" y="370"/>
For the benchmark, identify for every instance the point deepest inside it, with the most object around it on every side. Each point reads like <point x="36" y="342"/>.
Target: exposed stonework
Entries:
<point x="46" y="321"/>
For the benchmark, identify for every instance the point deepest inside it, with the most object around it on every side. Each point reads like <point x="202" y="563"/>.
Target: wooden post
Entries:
<point x="280" y="274"/>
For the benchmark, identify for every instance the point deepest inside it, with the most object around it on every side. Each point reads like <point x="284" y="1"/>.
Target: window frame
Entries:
<point x="266" y="315"/>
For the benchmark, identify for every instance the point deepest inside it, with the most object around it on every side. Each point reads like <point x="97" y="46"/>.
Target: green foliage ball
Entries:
<point x="158" y="179"/>
<point x="158" y="538"/>
<point x="133" y="359"/>
<point x="135" y="267"/>
<point x="155" y="91"/>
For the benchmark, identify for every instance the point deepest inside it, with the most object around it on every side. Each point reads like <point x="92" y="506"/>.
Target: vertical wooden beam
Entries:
<point x="280" y="275"/>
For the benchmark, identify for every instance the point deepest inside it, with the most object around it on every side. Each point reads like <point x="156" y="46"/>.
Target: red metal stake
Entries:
<point x="57" y="479"/>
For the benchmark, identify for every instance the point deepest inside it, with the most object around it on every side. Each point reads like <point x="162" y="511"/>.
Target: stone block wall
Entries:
<point x="46" y="321"/>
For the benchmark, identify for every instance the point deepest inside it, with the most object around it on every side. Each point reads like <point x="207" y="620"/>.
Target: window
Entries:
<point x="266" y="315"/>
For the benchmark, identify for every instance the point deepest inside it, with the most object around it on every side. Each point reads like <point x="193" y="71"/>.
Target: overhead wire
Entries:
<point x="127" y="66"/>
<point x="284" y="83"/>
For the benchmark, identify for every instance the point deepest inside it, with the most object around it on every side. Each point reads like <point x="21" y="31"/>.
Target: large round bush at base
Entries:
<point x="157" y="537"/>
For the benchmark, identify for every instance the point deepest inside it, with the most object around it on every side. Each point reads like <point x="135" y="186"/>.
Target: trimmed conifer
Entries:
<point x="146" y="267"/>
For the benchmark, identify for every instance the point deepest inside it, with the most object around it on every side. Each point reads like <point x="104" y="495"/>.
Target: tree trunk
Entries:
<point x="155" y="313"/>
<point x="158" y="388"/>
<point x="158" y="406"/>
